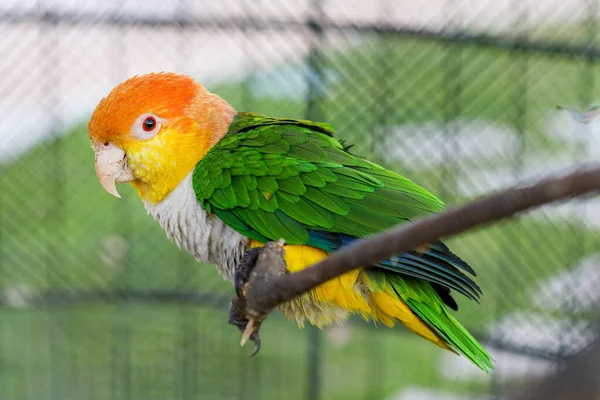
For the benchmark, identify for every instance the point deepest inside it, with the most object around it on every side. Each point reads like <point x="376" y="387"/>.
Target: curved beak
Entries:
<point x="111" y="167"/>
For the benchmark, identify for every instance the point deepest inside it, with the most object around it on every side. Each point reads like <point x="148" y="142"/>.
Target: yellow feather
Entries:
<point x="193" y="120"/>
<point x="390" y="307"/>
<point x="349" y="292"/>
<point x="341" y="291"/>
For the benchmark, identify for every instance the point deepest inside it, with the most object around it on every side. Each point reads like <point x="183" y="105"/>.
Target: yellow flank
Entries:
<point x="351" y="292"/>
<point x="389" y="307"/>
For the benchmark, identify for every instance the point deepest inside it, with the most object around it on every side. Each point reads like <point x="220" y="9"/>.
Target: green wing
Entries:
<point x="281" y="178"/>
<point x="266" y="168"/>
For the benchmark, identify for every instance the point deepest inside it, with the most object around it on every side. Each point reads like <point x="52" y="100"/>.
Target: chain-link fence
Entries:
<point x="458" y="95"/>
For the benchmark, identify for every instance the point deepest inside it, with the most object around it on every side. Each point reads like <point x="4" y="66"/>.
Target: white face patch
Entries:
<point x="205" y="236"/>
<point x="146" y="126"/>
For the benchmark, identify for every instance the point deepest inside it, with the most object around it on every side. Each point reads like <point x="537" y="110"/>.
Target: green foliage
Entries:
<point x="152" y="352"/>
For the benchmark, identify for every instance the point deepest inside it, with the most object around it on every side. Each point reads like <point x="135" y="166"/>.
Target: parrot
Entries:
<point x="223" y="183"/>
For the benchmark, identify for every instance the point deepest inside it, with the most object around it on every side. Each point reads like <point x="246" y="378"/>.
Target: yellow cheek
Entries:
<point x="160" y="163"/>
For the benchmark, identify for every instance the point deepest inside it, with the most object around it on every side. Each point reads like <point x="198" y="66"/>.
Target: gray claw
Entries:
<point x="256" y="341"/>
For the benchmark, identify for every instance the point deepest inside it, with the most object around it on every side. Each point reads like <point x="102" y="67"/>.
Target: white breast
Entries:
<point x="205" y="236"/>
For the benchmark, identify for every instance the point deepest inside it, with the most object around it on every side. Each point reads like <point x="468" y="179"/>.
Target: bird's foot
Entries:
<point x="270" y="261"/>
<point x="237" y="317"/>
<point x="237" y="308"/>
<point x="243" y="270"/>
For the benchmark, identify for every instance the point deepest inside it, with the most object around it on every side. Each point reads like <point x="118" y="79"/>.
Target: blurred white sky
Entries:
<point x="53" y="75"/>
<point x="485" y="14"/>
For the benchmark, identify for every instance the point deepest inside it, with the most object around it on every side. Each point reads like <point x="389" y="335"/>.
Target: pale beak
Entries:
<point x="111" y="167"/>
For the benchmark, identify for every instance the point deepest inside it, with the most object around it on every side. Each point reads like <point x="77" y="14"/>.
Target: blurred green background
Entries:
<point x="98" y="304"/>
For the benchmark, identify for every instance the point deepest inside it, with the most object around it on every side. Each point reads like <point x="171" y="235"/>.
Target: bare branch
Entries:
<point x="405" y="237"/>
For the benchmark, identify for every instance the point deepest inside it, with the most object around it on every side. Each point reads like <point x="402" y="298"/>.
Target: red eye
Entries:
<point x="149" y="124"/>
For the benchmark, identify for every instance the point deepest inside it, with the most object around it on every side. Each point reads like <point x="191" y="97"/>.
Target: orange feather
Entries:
<point x="193" y="121"/>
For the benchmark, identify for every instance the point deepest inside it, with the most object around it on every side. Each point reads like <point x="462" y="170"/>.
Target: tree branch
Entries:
<point x="265" y="295"/>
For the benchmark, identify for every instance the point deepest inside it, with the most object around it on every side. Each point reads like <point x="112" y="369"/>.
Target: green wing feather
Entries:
<point x="282" y="178"/>
<point x="299" y="159"/>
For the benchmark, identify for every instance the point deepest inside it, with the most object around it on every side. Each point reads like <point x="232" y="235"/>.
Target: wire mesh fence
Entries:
<point x="459" y="96"/>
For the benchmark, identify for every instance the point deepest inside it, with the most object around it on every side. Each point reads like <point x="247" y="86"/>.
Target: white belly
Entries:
<point x="205" y="236"/>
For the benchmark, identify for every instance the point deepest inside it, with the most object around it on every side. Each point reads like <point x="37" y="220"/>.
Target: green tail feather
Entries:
<point x="427" y="305"/>
<point x="454" y="333"/>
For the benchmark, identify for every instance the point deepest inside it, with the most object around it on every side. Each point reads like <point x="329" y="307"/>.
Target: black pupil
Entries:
<point x="149" y="123"/>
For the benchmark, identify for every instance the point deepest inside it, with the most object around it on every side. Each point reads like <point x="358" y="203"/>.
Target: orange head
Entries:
<point x="151" y="130"/>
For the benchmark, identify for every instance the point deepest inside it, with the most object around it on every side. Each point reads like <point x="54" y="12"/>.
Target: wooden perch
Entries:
<point x="264" y="294"/>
